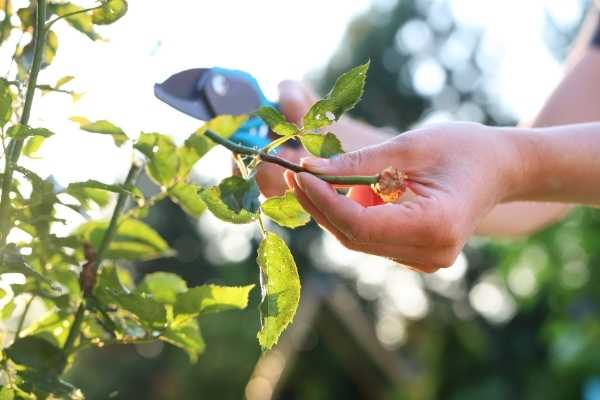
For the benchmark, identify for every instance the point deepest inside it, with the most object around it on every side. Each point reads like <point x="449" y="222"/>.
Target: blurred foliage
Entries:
<point x="543" y="347"/>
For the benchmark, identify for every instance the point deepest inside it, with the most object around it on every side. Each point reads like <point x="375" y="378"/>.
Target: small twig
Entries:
<point x="264" y="156"/>
<point x="108" y="236"/>
<point x="22" y="317"/>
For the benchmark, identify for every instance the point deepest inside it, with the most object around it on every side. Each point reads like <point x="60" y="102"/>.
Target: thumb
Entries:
<point x="295" y="98"/>
<point x="366" y="161"/>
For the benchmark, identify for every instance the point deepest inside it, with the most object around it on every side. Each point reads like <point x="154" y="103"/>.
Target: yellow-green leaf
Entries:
<point x="188" y="198"/>
<point x="325" y="146"/>
<point x="187" y="337"/>
<point x="235" y="200"/>
<point x="32" y="145"/>
<point x="6" y="99"/>
<point x="134" y="240"/>
<point x="102" y="127"/>
<point x="282" y="289"/>
<point x="163" y="286"/>
<point x="161" y="152"/>
<point x="19" y="131"/>
<point x="286" y="210"/>
<point x="344" y="95"/>
<point x="81" y="21"/>
<point x="211" y="298"/>
<point x="277" y="122"/>
<point x="110" y="12"/>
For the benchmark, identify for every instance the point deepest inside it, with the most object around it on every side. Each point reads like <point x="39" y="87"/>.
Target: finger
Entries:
<point x="269" y="176"/>
<point x="295" y="99"/>
<point x="414" y="223"/>
<point x="366" y="161"/>
<point x="411" y="256"/>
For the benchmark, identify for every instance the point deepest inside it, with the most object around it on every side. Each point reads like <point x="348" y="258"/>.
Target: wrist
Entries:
<point x="520" y="163"/>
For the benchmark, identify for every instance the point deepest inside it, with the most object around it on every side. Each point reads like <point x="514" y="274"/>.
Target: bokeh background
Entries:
<point x="516" y="319"/>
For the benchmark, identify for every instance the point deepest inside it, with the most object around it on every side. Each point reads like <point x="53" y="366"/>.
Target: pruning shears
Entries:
<point x="205" y="93"/>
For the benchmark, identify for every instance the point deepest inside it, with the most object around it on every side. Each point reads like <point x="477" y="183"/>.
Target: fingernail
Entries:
<point x="314" y="164"/>
<point x="299" y="181"/>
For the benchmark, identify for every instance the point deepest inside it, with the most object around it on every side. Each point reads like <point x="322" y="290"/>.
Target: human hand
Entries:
<point x="457" y="173"/>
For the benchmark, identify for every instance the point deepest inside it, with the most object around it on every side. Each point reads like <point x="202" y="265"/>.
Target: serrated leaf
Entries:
<point x="282" y="289"/>
<point x="161" y="152"/>
<point x="35" y="352"/>
<point x="6" y="99"/>
<point x="325" y="146"/>
<point x="186" y="195"/>
<point x="81" y="22"/>
<point x="163" y="286"/>
<point x="240" y="194"/>
<point x="286" y="210"/>
<point x="187" y="337"/>
<point x="212" y="198"/>
<point x="110" y="12"/>
<point x="211" y="298"/>
<point x="102" y="127"/>
<point x="234" y="200"/>
<point x="344" y="95"/>
<point x="19" y="131"/>
<point x="109" y="290"/>
<point x="277" y="122"/>
<point x="197" y="145"/>
<point x="133" y="240"/>
<point x="32" y="145"/>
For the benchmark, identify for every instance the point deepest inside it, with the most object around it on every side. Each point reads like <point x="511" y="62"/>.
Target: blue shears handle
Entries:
<point x="254" y="132"/>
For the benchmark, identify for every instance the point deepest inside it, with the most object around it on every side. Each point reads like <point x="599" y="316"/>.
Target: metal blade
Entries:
<point x="183" y="91"/>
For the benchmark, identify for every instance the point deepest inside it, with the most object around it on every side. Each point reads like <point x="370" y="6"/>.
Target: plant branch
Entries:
<point x="22" y="317"/>
<point x="15" y="145"/>
<point x="83" y="11"/>
<point x="241" y="149"/>
<point x="108" y="236"/>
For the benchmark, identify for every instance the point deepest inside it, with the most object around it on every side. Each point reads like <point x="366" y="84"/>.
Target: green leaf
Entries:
<point x="63" y="81"/>
<point x="163" y="286"/>
<point x="81" y="22"/>
<point x="133" y="240"/>
<point x="53" y="327"/>
<point x="161" y="152"/>
<point x="26" y="15"/>
<point x="110" y="12"/>
<point x="277" y="122"/>
<point x="76" y="188"/>
<point x="234" y="200"/>
<point x="211" y="298"/>
<point x="86" y="196"/>
<point x="32" y="145"/>
<point x="19" y="131"/>
<point x="344" y="95"/>
<point x="7" y="394"/>
<point x="325" y="146"/>
<point x="186" y="337"/>
<point x="12" y="261"/>
<point x="26" y="56"/>
<point x="186" y="195"/>
<point x="286" y="210"/>
<point x="35" y="352"/>
<point x="240" y="194"/>
<point x="6" y="99"/>
<point x="49" y="383"/>
<point x="109" y="290"/>
<point x="197" y="145"/>
<point x="282" y="289"/>
<point x="103" y="127"/>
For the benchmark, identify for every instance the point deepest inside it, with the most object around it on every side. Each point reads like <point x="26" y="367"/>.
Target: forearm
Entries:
<point x="559" y="164"/>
